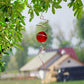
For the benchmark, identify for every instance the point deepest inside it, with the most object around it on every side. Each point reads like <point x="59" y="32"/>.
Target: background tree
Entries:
<point x="22" y="55"/>
<point x="80" y="35"/>
<point x="12" y="64"/>
<point x="80" y="54"/>
<point x="80" y="30"/>
<point x="62" y="41"/>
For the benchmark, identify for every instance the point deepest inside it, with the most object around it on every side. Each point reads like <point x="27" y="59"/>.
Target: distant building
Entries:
<point x="57" y="58"/>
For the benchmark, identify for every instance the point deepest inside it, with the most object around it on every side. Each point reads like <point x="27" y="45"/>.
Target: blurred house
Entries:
<point x="57" y="58"/>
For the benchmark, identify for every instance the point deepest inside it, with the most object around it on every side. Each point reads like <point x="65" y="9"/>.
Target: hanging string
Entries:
<point x="40" y="52"/>
<point x="44" y="44"/>
<point x="42" y="25"/>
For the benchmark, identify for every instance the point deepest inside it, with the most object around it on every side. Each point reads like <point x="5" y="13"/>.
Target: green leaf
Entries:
<point x="0" y="48"/>
<point x="65" y="0"/>
<point x="36" y="11"/>
<point x="74" y="8"/>
<point x="19" y="46"/>
<point x="3" y="63"/>
<point x="80" y="11"/>
<point x="58" y="1"/>
<point x="19" y="38"/>
<point x="76" y="12"/>
<point x="31" y="16"/>
<point x="30" y="19"/>
<point x="6" y="53"/>
<point x="59" y="6"/>
<point x="80" y="2"/>
<point x="10" y="49"/>
<point x="53" y="10"/>
<point x="71" y="4"/>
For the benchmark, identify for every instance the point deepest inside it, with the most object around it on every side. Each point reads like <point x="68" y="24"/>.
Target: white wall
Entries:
<point x="72" y="63"/>
<point x="34" y="74"/>
<point x="40" y="74"/>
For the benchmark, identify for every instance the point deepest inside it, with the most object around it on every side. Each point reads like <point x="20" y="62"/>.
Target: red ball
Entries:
<point x="41" y="36"/>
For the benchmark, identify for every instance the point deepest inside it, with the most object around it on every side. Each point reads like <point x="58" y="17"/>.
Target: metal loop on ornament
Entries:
<point x="42" y="25"/>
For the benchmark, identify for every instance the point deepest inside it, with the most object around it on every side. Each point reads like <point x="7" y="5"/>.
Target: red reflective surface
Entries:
<point x="41" y="36"/>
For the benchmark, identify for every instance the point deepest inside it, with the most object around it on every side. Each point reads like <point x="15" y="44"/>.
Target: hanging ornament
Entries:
<point x="41" y="36"/>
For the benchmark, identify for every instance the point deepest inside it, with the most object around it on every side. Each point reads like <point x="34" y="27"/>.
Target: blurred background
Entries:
<point x="63" y="31"/>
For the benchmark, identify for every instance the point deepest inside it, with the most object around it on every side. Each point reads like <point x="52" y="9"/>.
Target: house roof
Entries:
<point x="69" y="51"/>
<point x="46" y="57"/>
<point x="62" y="59"/>
<point x="35" y="63"/>
<point x="59" y="61"/>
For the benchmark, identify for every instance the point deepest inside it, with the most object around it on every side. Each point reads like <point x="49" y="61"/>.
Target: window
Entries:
<point x="69" y="61"/>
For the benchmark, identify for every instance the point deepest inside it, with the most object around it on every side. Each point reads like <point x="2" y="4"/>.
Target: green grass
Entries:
<point x="37" y="82"/>
<point x="20" y="82"/>
<point x="70" y="82"/>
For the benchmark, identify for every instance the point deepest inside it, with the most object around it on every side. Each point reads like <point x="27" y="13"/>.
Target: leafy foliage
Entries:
<point x="80" y="54"/>
<point x="2" y="66"/>
<point x="65" y="44"/>
<point x="77" y="7"/>
<point x="11" y="24"/>
<point x="43" y="5"/>
<point x="80" y="27"/>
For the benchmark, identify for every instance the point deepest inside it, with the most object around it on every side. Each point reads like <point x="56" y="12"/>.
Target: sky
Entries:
<point x="63" y="18"/>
